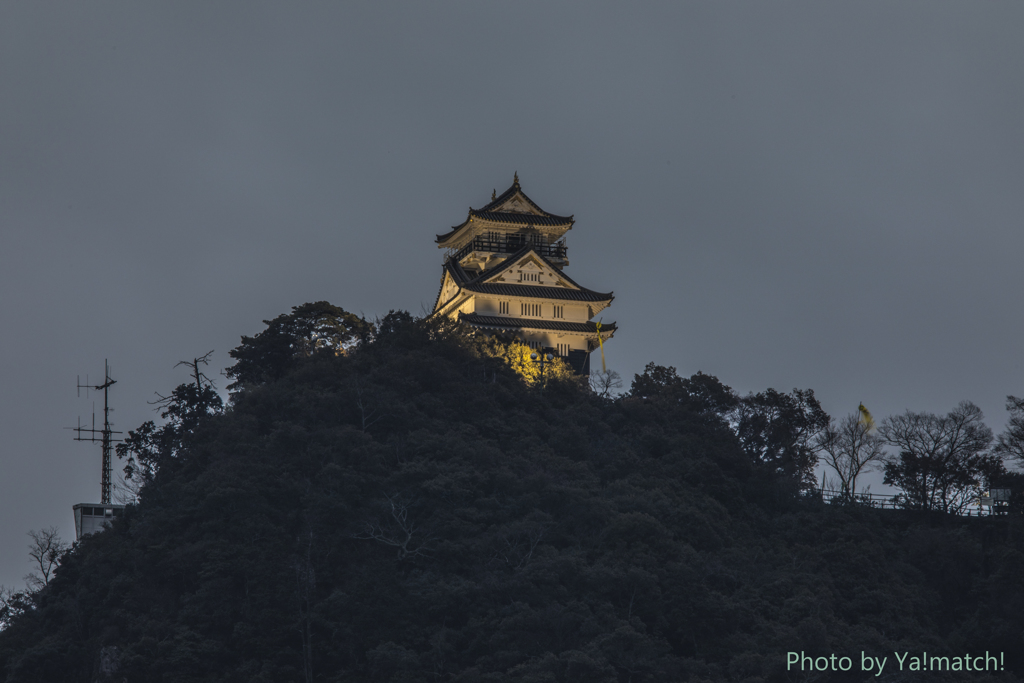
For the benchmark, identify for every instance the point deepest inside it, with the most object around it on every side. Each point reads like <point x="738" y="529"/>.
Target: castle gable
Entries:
<point x="529" y="269"/>
<point x="518" y="203"/>
<point x="450" y="289"/>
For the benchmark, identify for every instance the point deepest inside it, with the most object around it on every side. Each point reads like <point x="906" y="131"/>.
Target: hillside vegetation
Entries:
<point x="411" y="510"/>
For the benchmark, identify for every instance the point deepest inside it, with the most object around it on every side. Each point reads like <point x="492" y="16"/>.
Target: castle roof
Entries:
<point x="538" y="292"/>
<point x="502" y="323"/>
<point x="483" y="283"/>
<point x="512" y="207"/>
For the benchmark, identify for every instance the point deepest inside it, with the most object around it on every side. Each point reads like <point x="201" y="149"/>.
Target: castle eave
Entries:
<point x="539" y="292"/>
<point x="494" y="322"/>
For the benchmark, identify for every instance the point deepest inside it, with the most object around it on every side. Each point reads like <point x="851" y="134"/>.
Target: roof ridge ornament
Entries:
<point x="515" y="179"/>
<point x="494" y="194"/>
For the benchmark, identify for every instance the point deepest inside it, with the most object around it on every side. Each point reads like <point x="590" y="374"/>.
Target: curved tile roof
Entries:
<point x="529" y="323"/>
<point x="487" y="213"/>
<point x="538" y="291"/>
<point x="511" y="192"/>
<point x="521" y="218"/>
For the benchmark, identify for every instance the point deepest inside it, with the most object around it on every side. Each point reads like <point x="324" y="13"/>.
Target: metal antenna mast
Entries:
<point x="103" y="436"/>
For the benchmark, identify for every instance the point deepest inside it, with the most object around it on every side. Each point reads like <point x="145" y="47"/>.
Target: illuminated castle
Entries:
<point x="503" y="272"/>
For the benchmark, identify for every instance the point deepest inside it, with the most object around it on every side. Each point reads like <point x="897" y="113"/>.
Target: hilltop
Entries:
<point x="400" y="505"/>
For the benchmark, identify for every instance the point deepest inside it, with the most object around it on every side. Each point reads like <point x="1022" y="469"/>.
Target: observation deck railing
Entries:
<point x="510" y="244"/>
<point x="974" y="508"/>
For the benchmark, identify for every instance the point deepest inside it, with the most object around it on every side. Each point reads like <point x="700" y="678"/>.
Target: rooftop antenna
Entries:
<point x="104" y="436"/>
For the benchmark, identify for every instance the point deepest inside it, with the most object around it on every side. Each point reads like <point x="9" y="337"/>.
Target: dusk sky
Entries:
<point x="781" y="194"/>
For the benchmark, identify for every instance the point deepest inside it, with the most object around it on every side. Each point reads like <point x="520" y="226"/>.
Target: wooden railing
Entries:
<point x="511" y="244"/>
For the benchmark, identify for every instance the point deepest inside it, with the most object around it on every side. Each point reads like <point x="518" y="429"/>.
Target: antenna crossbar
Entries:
<point x="104" y="436"/>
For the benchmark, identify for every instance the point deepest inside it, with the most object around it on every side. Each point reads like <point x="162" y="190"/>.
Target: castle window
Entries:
<point x="559" y="312"/>
<point x="563" y="349"/>
<point x="529" y="309"/>
<point x="503" y="307"/>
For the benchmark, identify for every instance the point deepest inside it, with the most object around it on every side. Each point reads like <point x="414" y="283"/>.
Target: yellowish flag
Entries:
<point x="604" y="368"/>
<point x="866" y="419"/>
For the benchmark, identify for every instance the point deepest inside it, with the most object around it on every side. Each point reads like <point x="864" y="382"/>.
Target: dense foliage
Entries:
<point x="412" y="511"/>
<point x="310" y="329"/>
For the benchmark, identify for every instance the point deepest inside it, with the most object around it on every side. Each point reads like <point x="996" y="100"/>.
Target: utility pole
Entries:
<point x="103" y="436"/>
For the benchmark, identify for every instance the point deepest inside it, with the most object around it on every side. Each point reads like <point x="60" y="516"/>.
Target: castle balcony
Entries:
<point x="509" y="244"/>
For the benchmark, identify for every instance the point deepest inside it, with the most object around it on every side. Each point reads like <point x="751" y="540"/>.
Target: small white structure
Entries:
<point x="996" y="500"/>
<point x="93" y="517"/>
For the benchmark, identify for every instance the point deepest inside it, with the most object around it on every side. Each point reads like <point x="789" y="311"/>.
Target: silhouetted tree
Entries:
<point x="310" y="329"/>
<point x="13" y="604"/>
<point x="605" y="384"/>
<point x="778" y="432"/>
<point x="700" y="393"/>
<point x="1011" y="441"/>
<point x="46" y="550"/>
<point x="850" y="449"/>
<point x="487" y="531"/>
<point x="150" y="447"/>
<point x="943" y="463"/>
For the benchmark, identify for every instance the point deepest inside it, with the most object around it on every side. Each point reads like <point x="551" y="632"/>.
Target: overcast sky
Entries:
<point x="782" y="194"/>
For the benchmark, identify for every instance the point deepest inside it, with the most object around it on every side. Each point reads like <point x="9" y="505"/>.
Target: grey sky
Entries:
<point x="783" y="194"/>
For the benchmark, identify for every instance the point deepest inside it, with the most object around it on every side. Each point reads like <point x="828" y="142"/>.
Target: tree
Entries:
<point x="659" y="382"/>
<point x="943" y="463"/>
<point x="567" y="538"/>
<point x="149" y="447"/>
<point x="12" y="605"/>
<point x="556" y="370"/>
<point x="779" y="432"/>
<point x="1011" y="441"/>
<point x="700" y="393"/>
<point x="605" y="384"/>
<point x="850" y="449"/>
<point x="45" y="550"/>
<point x="310" y="329"/>
<point x="394" y="528"/>
<point x="776" y="431"/>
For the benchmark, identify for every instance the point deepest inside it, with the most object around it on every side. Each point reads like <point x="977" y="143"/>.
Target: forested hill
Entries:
<point x="413" y="511"/>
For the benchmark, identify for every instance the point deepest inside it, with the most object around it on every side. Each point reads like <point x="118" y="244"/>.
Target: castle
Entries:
<point x="503" y="272"/>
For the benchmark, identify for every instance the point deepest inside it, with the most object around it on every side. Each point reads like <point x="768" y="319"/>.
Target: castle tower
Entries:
<point x="503" y="272"/>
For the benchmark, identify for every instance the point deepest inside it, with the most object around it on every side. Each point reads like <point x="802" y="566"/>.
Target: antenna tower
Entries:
<point x="103" y="436"/>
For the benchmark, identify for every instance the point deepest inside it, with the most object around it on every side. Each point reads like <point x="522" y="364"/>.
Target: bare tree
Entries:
<point x="514" y="549"/>
<point x="605" y="384"/>
<point x="396" y="529"/>
<point x="368" y="415"/>
<point x="1011" y="441"/>
<point x="943" y="462"/>
<point x="45" y="550"/>
<point x="850" y="449"/>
